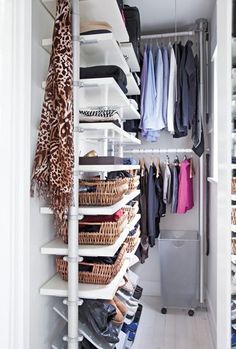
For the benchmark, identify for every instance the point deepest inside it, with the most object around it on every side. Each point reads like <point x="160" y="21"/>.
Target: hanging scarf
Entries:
<point x="54" y="159"/>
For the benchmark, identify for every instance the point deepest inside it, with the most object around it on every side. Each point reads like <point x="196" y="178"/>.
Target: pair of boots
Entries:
<point x="121" y="311"/>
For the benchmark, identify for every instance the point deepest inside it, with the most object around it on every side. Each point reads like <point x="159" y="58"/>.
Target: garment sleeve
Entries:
<point x="172" y="94"/>
<point x="159" y="75"/>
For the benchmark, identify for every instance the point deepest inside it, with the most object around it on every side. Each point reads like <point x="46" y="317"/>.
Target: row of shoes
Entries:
<point x="105" y="318"/>
<point x="233" y="321"/>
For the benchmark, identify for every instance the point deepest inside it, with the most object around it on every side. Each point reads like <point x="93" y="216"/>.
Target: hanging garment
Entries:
<point x="167" y="184"/>
<point x="197" y="127"/>
<point x="161" y="206"/>
<point x="190" y="67"/>
<point x="172" y="94"/>
<point x="54" y="159"/>
<point x="159" y="77"/>
<point x="185" y="197"/>
<point x="166" y="70"/>
<point x="175" y="186"/>
<point x="152" y="207"/>
<point x="180" y="130"/>
<point x="149" y="121"/>
<point x="143" y="248"/>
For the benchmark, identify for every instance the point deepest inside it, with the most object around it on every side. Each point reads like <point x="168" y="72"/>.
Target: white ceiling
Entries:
<point x="159" y="15"/>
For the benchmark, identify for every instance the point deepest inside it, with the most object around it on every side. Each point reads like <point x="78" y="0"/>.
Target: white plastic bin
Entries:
<point x="179" y="265"/>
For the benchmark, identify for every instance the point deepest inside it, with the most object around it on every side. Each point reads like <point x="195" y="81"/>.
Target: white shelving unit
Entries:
<point x="233" y="197"/>
<point x="101" y="49"/>
<point x="58" y="287"/>
<point x="99" y="210"/>
<point x="58" y="248"/>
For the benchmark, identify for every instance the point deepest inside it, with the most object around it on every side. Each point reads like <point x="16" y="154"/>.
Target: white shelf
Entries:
<point x="130" y="56"/>
<point x="58" y="248"/>
<point x="123" y="339"/>
<point x="105" y="11"/>
<point x="99" y="49"/>
<point x="100" y="210"/>
<point x="233" y="197"/>
<point x="233" y="258"/>
<point x="107" y="168"/>
<point x="234" y="79"/>
<point x="233" y="228"/>
<point x="105" y="92"/>
<point x="58" y="287"/>
<point x="233" y="166"/>
<point x="135" y="260"/>
<point x="132" y="87"/>
<point x="102" y="10"/>
<point x="114" y="132"/>
<point x="233" y="107"/>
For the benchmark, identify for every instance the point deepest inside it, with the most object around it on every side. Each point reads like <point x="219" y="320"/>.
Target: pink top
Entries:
<point x="185" y="197"/>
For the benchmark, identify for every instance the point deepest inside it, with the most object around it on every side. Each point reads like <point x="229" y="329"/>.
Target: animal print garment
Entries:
<point x="54" y="159"/>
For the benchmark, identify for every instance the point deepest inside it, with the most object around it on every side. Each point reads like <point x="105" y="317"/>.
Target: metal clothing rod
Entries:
<point x="158" y="151"/>
<point x="167" y="35"/>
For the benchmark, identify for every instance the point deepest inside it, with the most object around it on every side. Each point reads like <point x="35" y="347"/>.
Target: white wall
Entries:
<point x="43" y="320"/>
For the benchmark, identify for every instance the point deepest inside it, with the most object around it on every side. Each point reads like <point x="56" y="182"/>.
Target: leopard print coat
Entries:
<point x="54" y="159"/>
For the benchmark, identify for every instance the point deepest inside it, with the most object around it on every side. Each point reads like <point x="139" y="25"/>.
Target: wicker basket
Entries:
<point x="131" y="210"/>
<point x="133" y="183"/>
<point x="101" y="274"/>
<point x="132" y="240"/>
<point x="234" y="185"/>
<point x="233" y="216"/>
<point x="107" y="192"/>
<point x="107" y="235"/>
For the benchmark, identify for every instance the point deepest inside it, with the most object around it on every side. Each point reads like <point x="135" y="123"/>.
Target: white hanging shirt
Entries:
<point x="172" y="94"/>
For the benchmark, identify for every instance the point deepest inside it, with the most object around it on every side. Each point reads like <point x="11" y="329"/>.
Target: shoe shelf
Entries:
<point x="85" y="331"/>
<point x="100" y="210"/>
<point x="105" y="92"/>
<point x="102" y="10"/>
<point x="58" y="287"/>
<point x="123" y="340"/>
<point x="114" y="132"/>
<point x="103" y="49"/>
<point x="59" y="343"/>
<point x="58" y="248"/>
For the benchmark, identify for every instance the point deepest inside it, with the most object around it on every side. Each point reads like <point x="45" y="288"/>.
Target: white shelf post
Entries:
<point x="73" y="321"/>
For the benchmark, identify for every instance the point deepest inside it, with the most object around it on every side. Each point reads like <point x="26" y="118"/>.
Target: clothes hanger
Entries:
<point x="158" y="164"/>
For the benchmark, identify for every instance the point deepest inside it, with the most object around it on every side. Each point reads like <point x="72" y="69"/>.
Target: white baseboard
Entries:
<point x="212" y="320"/>
<point x="150" y="288"/>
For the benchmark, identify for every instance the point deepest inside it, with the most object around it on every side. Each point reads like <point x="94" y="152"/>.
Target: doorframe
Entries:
<point x="15" y="105"/>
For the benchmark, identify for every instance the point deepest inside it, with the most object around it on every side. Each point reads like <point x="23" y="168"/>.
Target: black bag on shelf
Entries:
<point x="105" y="71"/>
<point x="133" y="25"/>
<point x="234" y="19"/>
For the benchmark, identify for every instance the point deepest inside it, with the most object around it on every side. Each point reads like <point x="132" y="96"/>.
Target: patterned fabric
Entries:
<point x="52" y="173"/>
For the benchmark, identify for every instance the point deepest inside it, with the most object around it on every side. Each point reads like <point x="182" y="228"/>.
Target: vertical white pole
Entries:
<point x="202" y="23"/>
<point x="73" y="322"/>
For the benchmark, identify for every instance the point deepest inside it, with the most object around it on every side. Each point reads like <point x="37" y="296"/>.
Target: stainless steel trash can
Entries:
<point x="179" y="265"/>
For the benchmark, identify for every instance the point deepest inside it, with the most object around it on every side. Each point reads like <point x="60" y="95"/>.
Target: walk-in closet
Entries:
<point x="130" y="177"/>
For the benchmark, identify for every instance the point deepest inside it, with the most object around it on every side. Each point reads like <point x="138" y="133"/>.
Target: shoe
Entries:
<point x="118" y="318"/>
<point x="91" y="154"/>
<point x="120" y="305"/>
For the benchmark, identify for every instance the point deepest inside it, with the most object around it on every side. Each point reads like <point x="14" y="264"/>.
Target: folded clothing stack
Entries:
<point x="98" y="115"/>
<point x="95" y="27"/>
<point x="106" y="71"/>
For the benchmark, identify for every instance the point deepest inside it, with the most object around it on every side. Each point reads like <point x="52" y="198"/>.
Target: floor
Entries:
<point x="175" y="330"/>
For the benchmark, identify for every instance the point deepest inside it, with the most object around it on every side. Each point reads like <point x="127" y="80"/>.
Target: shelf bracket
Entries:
<point x="79" y="302"/>
<point x="73" y="340"/>
<point x="73" y="260"/>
